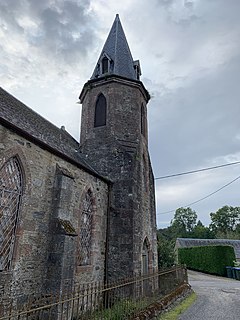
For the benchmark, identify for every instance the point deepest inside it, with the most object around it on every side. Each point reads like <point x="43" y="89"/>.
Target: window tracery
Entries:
<point x="11" y="188"/>
<point x="85" y="233"/>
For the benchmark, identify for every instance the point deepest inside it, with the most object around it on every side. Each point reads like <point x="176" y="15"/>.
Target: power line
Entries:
<point x="198" y="170"/>
<point x="207" y="196"/>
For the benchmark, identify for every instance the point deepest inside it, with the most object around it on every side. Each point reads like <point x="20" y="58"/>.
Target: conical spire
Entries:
<point x="116" y="57"/>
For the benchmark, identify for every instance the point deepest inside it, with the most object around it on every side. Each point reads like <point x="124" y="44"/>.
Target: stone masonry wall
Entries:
<point x="124" y="100"/>
<point x="41" y="248"/>
<point x="119" y="151"/>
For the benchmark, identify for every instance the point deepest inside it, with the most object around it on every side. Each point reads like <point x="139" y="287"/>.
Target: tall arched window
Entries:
<point x="85" y="233"/>
<point x="100" y="111"/>
<point x="143" y="121"/>
<point x="11" y="187"/>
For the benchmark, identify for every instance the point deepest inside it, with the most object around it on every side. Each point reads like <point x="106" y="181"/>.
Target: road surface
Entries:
<point x="218" y="298"/>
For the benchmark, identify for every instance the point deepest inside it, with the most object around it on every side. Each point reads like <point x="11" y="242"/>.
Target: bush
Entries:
<point x="209" y="259"/>
<point x="166" y="254"/>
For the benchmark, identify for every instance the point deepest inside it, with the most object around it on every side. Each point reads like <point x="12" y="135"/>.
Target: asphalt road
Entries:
<point x="218" y="298"/>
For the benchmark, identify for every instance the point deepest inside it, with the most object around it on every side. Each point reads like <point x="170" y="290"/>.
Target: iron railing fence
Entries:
<point x="95" y="301"/>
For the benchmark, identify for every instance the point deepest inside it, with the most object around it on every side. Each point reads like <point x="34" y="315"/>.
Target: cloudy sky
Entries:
<point x="190" y="59"/>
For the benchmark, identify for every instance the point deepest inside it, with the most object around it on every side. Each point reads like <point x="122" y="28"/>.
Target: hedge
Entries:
<point x="209" y="259"/>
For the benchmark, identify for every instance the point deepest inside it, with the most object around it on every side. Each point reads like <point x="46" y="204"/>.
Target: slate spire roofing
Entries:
<point x="116" y="57"/>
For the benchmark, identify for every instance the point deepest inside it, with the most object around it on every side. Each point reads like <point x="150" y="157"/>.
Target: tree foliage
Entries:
<point x="226" y="220"/>
<point x="166" y="255"/>
<point x="201" y="232"/>
<point x="184" y="221"/>
<point x="225" y="224"/>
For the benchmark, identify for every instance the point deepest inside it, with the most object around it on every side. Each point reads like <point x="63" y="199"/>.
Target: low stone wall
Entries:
<point x="157" y="308"/>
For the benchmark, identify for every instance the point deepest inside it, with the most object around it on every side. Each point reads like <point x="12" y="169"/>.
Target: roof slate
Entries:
<point x="17" y="114"/>
<point x="117" y="49"/>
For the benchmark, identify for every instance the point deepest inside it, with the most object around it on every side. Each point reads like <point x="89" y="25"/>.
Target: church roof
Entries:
<point x="26" y="122"/>
<point x="117" y="51"/>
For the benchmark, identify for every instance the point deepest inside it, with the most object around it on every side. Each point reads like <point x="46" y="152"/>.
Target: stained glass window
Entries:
<point x="10" y="194"/>
<point x="85" y="234"/>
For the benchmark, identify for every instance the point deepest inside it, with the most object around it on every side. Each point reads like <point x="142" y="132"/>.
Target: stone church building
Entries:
<point x="75" y="212"/>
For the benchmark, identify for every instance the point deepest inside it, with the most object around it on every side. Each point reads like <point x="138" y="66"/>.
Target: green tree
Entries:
<point x="238" y="230"/>
<point x="182" y="225"/>
<point x="183" y="221"/>
<point x="166" y="254"/>
<point x="201" y="232"/>
<point x="226" y="220"/>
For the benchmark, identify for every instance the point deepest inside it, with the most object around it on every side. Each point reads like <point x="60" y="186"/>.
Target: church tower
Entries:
<point x="114" y="139"/>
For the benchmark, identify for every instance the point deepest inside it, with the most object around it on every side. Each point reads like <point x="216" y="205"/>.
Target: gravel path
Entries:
<point x="218" y="298"/>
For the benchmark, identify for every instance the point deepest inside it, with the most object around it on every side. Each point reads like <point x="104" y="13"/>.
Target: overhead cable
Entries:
<point x="198" y="170"/>
<point x="207" y="196"/>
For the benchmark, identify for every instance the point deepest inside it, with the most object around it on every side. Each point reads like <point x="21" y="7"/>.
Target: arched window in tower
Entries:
<point x="85" y="233"/>
<point x="100" y="111"/>
<point x="143" y="121"/>
<point x="11" y="188"/>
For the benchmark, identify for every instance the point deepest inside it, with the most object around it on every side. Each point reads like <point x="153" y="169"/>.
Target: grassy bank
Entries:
<point x="183" y="306"/>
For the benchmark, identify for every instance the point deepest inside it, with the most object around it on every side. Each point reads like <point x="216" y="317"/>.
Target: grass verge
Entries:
<point x="183" y="306"/>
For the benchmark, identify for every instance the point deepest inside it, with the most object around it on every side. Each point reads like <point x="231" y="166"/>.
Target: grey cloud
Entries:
<point x="197" y="123"/>
<point x="65" y="29"/>
<point x="186" y="22"/>
<point x="165" y="3"/>
<point x="69" y="33"/>
<point x="9" y="10"/>
<point x="169" y="6"/>
<point x="188" y="4"/>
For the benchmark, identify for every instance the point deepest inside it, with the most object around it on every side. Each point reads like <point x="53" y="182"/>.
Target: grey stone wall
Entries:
<point x="119" y="151"/>
<point x="44" y="256"/>
<point x="124" y="99"/>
